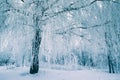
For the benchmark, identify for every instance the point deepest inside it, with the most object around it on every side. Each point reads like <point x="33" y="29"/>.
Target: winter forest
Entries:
<point x="60" y="39"/>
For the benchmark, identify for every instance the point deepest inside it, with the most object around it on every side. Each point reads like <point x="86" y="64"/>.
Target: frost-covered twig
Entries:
<point x="11" y="8"/>
<point x="61" y="32"/>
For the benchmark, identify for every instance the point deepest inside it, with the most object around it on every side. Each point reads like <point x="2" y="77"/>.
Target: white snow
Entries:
<point x="48" y="74"/>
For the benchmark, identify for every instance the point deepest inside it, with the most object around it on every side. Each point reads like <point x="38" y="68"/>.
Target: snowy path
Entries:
<point x="22" y="74"/>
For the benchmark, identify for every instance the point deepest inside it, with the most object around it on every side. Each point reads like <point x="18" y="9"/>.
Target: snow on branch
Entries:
<point x="70" y="8"/>
<point x="116" y="1"/>
<point x="11" y="8"/>
<point x="61" y="32"/>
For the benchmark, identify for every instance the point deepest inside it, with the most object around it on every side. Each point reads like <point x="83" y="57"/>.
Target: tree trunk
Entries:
<point x="110" y="65"/>
<point x="23" y="60"/>
<point x="109" y="43"/>
<point x="35" y="51"/>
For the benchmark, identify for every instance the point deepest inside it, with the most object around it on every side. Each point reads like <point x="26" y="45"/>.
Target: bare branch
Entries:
<point x="77" y="34"/>
<point x="69" y="8"/>
<point x="79" y="27"/>
<point x="114" y="1"/>
<point x="11" y="8"/>
<point x="81" y="36"/>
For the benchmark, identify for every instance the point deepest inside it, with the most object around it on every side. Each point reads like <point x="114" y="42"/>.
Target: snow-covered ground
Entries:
<point x="47" y="74"/>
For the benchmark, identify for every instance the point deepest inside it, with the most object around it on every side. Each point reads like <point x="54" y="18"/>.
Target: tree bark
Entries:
<point x="23" y="60"/>
<point x="111" y="65"/>
<point x="35" y="51"/>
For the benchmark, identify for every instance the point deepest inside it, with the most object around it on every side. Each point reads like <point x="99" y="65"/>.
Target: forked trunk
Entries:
<point x="110" y="65"/>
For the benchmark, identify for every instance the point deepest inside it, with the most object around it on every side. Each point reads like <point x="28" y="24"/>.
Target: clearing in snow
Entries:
<point x="48" y="74"/>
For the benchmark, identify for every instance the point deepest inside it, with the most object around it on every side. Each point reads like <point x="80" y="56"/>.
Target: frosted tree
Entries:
<point x="112" y="38"/>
